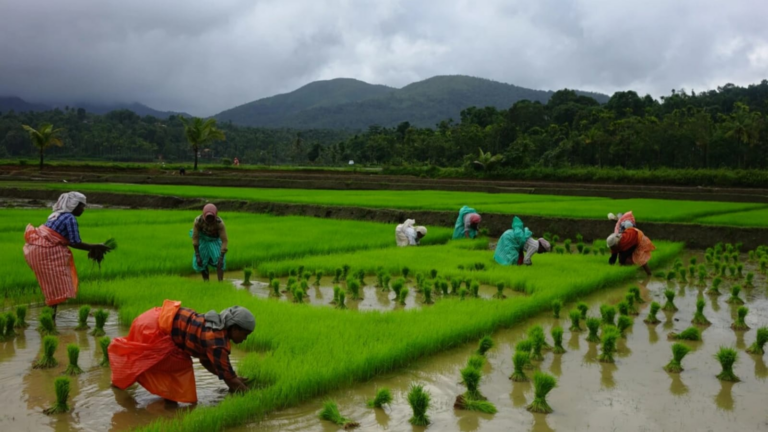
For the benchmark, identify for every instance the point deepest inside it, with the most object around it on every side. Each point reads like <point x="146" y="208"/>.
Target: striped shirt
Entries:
<point x="66" y="225"/>
<point x="210" y="346"/>
<point x="531" y="247"/>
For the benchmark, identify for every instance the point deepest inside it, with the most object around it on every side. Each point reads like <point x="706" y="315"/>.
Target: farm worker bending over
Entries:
<point x="623" y="221"/>
<point x="517" y="245"/>
<point x="47" y="249"/>
<point x="209" y="237"/>
<point x="408" y="235"/>
<point x="466" y="223"/>
<point x="157" y="351"/>
<point x="630" y="247"/>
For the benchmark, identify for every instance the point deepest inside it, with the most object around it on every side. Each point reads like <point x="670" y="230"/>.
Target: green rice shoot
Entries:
<point x="593" y="325"/>
<point x="654" y="310"/>
<point x="727" y="358"/>
<point x="47" y="361"/>
<point x="740" y="324"/>
<point x="419" y="400"/>
<point x="698" y="317"/>
<point x="485" y="344"/>
<point x="21" y="317"/>
<point x="670" y="304"/>
<point x="575" y="316"/>
<point x="557" y="336"/>
<point x="761" y="338"/>
<point x="678" y="352"/>
<point x="543" y="384"/>
<point x="689" y="334"/>
<point x="608" y="348"/>
<point x="104" y="345"/>
<point x="520" y="360"/>
<point x="61" y="384"/>
<point x="100" y="317"/>
<point x="82" y="317"/>
<point x="383" y="397"/>
<point x="330" y="412"/>
<point x="73" y="353"/>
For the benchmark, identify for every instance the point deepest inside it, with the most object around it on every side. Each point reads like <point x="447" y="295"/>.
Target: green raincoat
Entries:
<point x="511" y="243"/>
<point x="458" y="230"/>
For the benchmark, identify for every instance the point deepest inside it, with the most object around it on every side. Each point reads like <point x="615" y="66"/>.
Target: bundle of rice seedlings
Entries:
<point x="740" y="324"/>
<point x="608" y="313"/>
<point x="635" y="291"/>
<point x="318" y="276"/>
<point x="353" y="286"/>
<point x="750" y="278"/>
<point x="101" y="318"/>
<point x="433" y="273"/>
<point x="306" y="275"/>
<point x="485" y="344"/>
<point x="47" y="361"/>
<point x="47" y="325"/>
<point x="567" y="245"/>
<point x="10" y="324"/>
<point x="472" y="400"/>
<point x="383" y="397"/>
<point x="360" y="274"/>
<point x="651" y="318"/>
<point x="247" y="273"/>
<point x="420" y="280"/>
<point x="61" y="384"/>
<point x="336" y="291"/>
<point x="698" y="317"/>
<point x="275" y="285"/>
<point x="691" y="271"/>
<point x="341" y="302"/>
<point x="556" y="306"/>
<point x="689" y="334"/>
<point x="734" y="298"/>
<point x="715" y="288"/>
<point x="593" y="325"/>
<point x="761" y="339"/>
<point x="702" y="273"/>
<point x="557" y="336"/>
<point x="678" y="352"/>
<point x="630" y="299"/>
<point x="291" y="281"/>
<point x="298" y="295"/>
<point x="82" y="317"/>
<point x="520" y="360"/>
<point x="671" y="275"/>
<point x="732" y="270"/>
<point x="419" y="400"/>
<point x="337" y="275"/>
<point x="625" y="323"/>
<point x="727" y="358"/>
<point x="740" y="270"/>
<point x="693" y="261"/>
<point x="403" y="295"/>
<point x="73" y="353"/>
<point x="670" y="304"/>
<point x="542" y="384"/>
<point x="575" y="316"/>
<point x="623" y="308"/>
<point x="397" y="286"/>
<point x="537" y="338"/>
<point x="463" y="293"/>
<point x="608" y="348"/>
<point x="21" y="317"/>
<point x="476" y="361"/>
<point x="583" y="308"/>
<point x="427" y="291"/>
<point x="580" y="247"/>
<point x="500" y="290"/>
<point x="330" y="412"/>
<point x="475" y="289"/>
<point x="682" y="275"/>
<point x="455" y="286"/>
<point x="104" y="344"/>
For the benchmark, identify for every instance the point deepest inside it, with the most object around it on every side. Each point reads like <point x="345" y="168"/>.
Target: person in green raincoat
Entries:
<point x="209" y="238"/>
<point x="466" y="223"/>
<point x="517" y="245"/>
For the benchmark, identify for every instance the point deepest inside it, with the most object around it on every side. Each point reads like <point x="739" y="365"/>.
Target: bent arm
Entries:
<point x="195" y="235"/>
<point x="223" y="237"/>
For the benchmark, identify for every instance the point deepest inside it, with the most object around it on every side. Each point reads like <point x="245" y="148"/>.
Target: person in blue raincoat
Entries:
<point x="517" y="245"/>
<point x="209" y="238"/>
<point x="466" y="223"/>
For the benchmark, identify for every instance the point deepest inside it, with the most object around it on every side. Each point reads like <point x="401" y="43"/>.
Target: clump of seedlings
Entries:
<point x="732" y="270"/>
<point x="330" y="412"/>
<point x="336" y="291"/>
<point x="61" y="384"/>
<point x="419" y="400"/>
<point x="631" y="308"/>
<point x="689" y="334"/>
<point x="740" y="324"/>
<point x="727" y="358"/>
<point x="624" y="324"/>
<point x="608" y="313"/>
<point x="247" y="273"/>
<point x="758" y="346"/>
<point x="472" y="400"/>
<point x="73" y="353"/>
<point x="500" y="291"/>
<point x="651" y="318"/>
<point x="475" y="289"/>
<point x="353" y="286"/>
<point x="557" y="336"/>
<point x="306" y="275"/>
<point x="699" y="318"/>
<point x="101" y="318"/>
<point x="520" y="360"/>
<point x="403" y="296"/>
<point x="275" y="285"/>
<point x="337" y="275"/>
<point x="341" y="301"/>
<point x="47" y="325"/>
<point x="47" y="361"/>
<point x="670" y="304"/>
<point x="575" y="316"/>
<point x="714" y="289"/>
<point x="750" y="279"/>
<point x="298" y="295"/>
<point x="635" y="291"/>
<point x="593" y="325"/>
<point x="542" y="384"/>
<point x="463" y="293"/>
<point x="583" y="308"/>
<point x="21" y="317"/>
<point x="455" y="286"/>
<point x="10" y="324"/>
<point x="538" y="340"/>
<point x="740" y="270"/>
<point x="702" y="274"/>
<point x="678" y="352"/>
<point x="671" y="275"/>
<point x="397" y="286"/>
<point x="427" y="291"/>
<point x="318" y="276"/>
<point x="433" y="273"/>
<point x="405" y="271"/>
<point x="443" y="286"/>
<point x="360" y="274"/>
<point x="623" y="308"/>
<point x="485" y="344"/>
<point x="104" y="344"/>
<point x="556" y="306"/>
<point x="270" y="275"/>
<point x="610" y="335"/>
<point x="692" y="271"/>
<point x="734" y="298"/>
<point x="82" y="317"/>
<point x="567" y="245"/>
<point x="383" y="397"/>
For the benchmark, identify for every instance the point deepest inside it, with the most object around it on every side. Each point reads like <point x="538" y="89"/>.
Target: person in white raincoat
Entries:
<point x="408" y="235"/>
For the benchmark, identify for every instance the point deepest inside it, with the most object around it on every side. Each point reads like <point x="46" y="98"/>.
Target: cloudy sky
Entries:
<point x="206" y="56"/>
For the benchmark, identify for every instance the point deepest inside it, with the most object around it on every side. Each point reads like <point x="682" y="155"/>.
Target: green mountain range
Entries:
<point x="351" y="104"/>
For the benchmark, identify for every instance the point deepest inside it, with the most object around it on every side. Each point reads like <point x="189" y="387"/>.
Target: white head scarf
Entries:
<point x="421" y="230"/>
<point x="67" y="203"/>
<point x="613" y="240"/>
<point x="235" y="315"/>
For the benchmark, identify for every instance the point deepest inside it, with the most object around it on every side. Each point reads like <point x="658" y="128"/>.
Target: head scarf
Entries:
<point x="235" y="315"/>
<point x="612" y="217"/>
<point x="613" y="240"/>
<point x="545" y="244"/>
<point x="409" y="223"/>
<point x="475" y="218"/>
<point x="210" y="209"/>
<point x="67" y="203"/>
<point x="421" y="230"/>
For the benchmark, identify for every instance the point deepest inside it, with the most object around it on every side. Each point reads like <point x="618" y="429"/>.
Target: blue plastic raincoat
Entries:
<point x="458" y="230"/>
<point x="511" y="243"/>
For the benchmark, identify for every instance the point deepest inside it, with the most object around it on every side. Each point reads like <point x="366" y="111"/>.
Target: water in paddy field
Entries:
<point x="633" y="394"/>
<point x="95" y="404"/>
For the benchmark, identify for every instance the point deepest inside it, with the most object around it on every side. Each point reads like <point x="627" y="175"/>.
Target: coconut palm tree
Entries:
<point x="44" y="137"/>
<point x="201" y="132"/>
<point x="486" y="161"/>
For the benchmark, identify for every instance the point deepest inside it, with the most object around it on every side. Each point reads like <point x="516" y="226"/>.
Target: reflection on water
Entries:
<point x="677" y="387"/>
<point x="761" y="371"/>
<point x="519" y="389"/>
<point x="724" y="398"/>
<point x="606" y="375"/>
<point x="653" y="335"/>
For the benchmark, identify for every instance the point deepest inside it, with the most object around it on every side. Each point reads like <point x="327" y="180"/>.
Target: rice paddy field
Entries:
<point x="408" y="316"/>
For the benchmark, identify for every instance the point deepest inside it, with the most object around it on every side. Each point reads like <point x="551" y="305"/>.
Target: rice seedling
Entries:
<point x="560" y="250"/>
<point x="471" y="378"/>
<point x="760" y="340"/>
<point x="709" y="258"/>
<point x="61" y="384"/>
<point x="593" y="325"/>
<point x="304" y="285"/>
<point x="341" y="302"/>
<point x="47" y="325"/>
<point x="555" y="238"/>
<point x="732" y="270"/>
<point x="651" y="318"/>
<point x="671" y="275"/>
<point x="275" y="285"/>
<point x="455" y="285"/>
<point x="500" y="290"/>
<point x="670" y="304"/>
<point x="542" y="384"/>
<point x="740" y="270"/>
<point x="485" y="344"/>
<point x="101" y="318"/>
<point x="699" y="318"/>
<point x="557" y="304"/>
<point x="678" y="352"/>
<point x="47" y="361"/>
<point x="10" y="324"/>
<point x="689" y="334"/>
<point x="714" y="289"/>
<point x="463" y="293"/>
<point x="293" y="273"/>
<point x="290" y="282"/>
<point x="630" y="299"/>
<point x="433" y="273"/>
<point x="21" y="317"/>
<point x="579" y="238"/>
<point x="702" y="274"/>
<point x="330" y="412"/>
<point x="336" y="291"/>
<point x="420" y="280"/>
<point x="520" y="360"/>
<point x="397" y="286"/>
<point x="682" y="275"/>
<point x="623" y="308"/>
<point x="583" y="308"/>
<point x="443" y="286"/>
<point x="73" y="353"/>
<point x="247" y="273"/>
<point x="345" y="271"/>
<point x="567" y="245"/>
<point x="298" y="295"/>
<point x="635" y="291"/>
<point x="403" y="296"/>
<point x="588" y="250"/>
<point x="419" y="400"/>
<point x="301" y="273"/>
<point x="557" y="336"/>
<point x="383" y="397"/>
<point x="360" y="274"/>
<point x="575" y="316"/>
<point x="537" y="338"/>
<point x="763" y="265"/>
<point x="337" y="275"/>
<point x="717" y="265"/>
<point x="751" y="255"/>
<point x="353" y="286"/>
<point x="580" y="247"/>
<point x="427" y="292"/>
<point x="608" y="313"/>
<point x="693" y="261"/>
<point x="476" y="361"/>
<point x="692" y="271"/>
<point x="750" y="278"/>
<point x="475" y="289"/>
<point x="104" y="344"/>
<point x="741" y="315"/>
<point x="608" y="347"/>
<point x="405" y="272"/>
<point x="82" y="317"/>
<point x="727" y="358"/>
<point x="734" y="298"/>
<point x="318" y="276"/>
<point x="270" y="275"/>
<point x="723" y="271"/>
<point x="625" y="323"/>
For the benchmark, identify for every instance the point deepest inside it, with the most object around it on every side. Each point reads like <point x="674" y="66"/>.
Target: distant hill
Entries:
<point x="352" y="104"/>
<point x="18" y="104"/>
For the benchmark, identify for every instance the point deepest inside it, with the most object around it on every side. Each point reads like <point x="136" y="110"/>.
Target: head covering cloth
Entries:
<point x="67" y="203"/>
<point x="613" y="240"/>
<point x="475" y="218"/>
<point x="421" y="230"/>
<point x="210" y="210"/>
<point x="545" y="244"/>
<point x="235" y="315"/>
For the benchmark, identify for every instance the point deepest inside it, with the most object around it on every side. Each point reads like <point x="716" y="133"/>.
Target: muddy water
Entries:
<point x="634" y="394"/>
<point x="96" y="406"/>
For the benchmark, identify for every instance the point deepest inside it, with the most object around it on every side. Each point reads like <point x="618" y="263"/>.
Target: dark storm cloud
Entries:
<point x="204" y="57"/>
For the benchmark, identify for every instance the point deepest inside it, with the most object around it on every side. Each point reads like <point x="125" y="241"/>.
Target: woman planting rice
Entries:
<point x="47" y="250"/>
<point x="517" y="246"/>
<point x="157" y="352"/>
<point x="408" y="235"/>
<point x="631" y="247"/>
<point x="466" y="223"/>
<point x="209" y="237"/>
